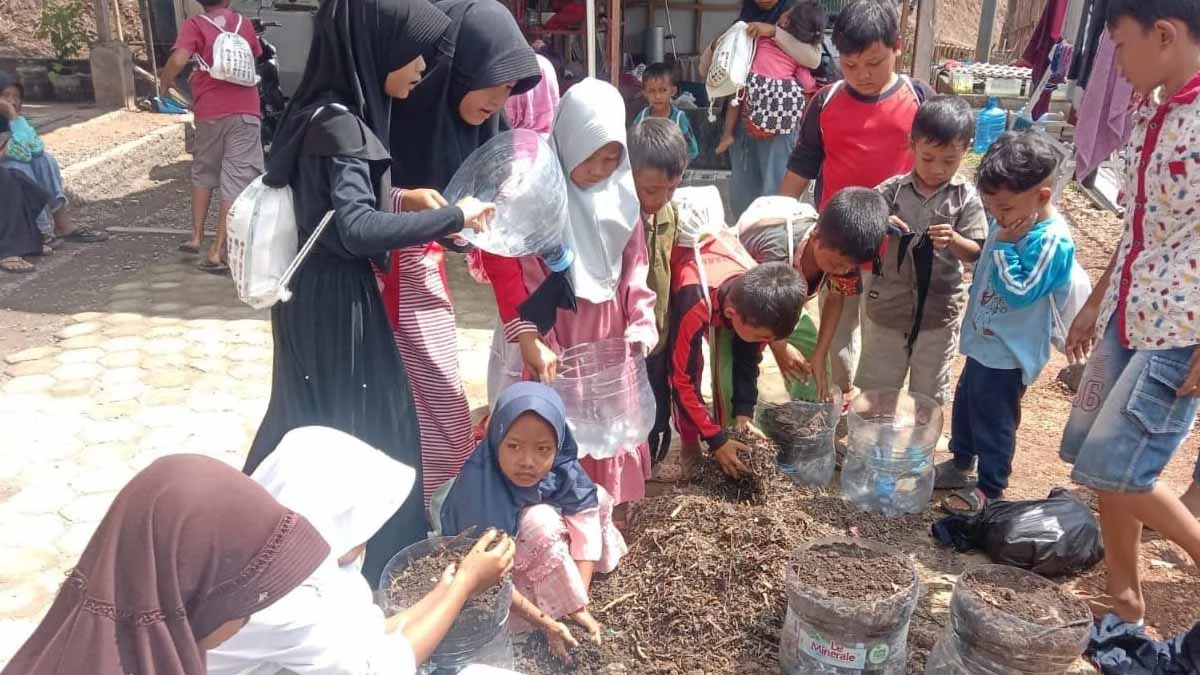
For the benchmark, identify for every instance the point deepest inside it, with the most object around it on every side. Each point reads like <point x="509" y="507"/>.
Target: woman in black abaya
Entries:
<point x="335" y="363"/>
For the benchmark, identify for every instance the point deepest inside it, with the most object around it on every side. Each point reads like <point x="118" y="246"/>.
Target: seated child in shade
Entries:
<point x="525" y="478"/>
<point x="28" y="154"/>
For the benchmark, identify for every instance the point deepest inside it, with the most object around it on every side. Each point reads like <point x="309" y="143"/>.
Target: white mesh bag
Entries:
<point x="732" y="56"/>
<point x="233" y="60"/>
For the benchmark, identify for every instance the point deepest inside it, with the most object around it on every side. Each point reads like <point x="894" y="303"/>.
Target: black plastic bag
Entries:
<point x="1051" y="537"/>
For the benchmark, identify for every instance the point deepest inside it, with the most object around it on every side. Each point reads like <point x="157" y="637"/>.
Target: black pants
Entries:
<point x="658" y="371"/>
<point x="987" y="412"/>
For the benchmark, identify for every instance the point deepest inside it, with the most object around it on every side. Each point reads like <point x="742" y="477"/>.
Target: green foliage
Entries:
<point x="64" y="26"/>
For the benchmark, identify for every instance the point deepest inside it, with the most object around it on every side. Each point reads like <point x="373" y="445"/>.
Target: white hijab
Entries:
<point x="602" y="218"/>
<point x="329" y="624"/>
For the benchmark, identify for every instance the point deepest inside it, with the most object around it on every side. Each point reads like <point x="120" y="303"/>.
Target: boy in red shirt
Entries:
<point x="855" y="133"/>
<point x="228" y="149"/>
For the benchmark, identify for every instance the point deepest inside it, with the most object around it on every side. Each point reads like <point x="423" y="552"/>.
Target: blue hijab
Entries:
<point x="482" y="496"/>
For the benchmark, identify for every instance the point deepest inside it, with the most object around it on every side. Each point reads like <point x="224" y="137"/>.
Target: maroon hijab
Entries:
<point x="188" y="545"/>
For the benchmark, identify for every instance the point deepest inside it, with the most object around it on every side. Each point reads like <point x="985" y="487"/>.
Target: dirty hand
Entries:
<point x="729" y="459"/>
<point x="560" y="639"/>
<point x="476" y="213"/>
<point x="1191" y="383"/>
<point x="1017" y="231"/>
<point x="724" y="145"/>
<point x="791" y="362"/>
<point x="821" y="375"/>
<point x="538" y="358"/>
<point x="941" y="236"/>
<point x="744" y="424"/>
<point x="1081" y="336"/>
<point x="585" y="619"/>
<point x="421" y="199"/>
<point x="488" y="561"/>
<point x="899" y="224"/>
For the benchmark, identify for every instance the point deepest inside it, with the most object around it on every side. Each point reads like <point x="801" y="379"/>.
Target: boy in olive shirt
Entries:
<point x="914" y="299"/>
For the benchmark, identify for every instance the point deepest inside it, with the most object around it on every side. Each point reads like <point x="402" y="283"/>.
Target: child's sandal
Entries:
<point x="973" y="501"/>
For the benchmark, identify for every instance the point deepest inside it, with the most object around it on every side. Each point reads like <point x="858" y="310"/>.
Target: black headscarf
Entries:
<point x="483" y="48"/>
<point x="752" y="13"/>
<point x="355" y="45"/>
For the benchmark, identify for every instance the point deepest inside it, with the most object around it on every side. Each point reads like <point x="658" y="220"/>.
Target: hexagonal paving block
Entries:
<point x="165" y="320"/>
<point x="166" y="396"/>
<point x="205" y="312"/>
<point x="164" y="419"/>
<point x="251" y="353"/>
<point x="112" y="410"/>
<point x="123" y="317"/>
<point x="104" y="455"/>
<point x="86" y="316"/>
<point x="205" y="350"/>
<point x="87" y="508"/>
<point x="121" y="376"/>
<point x="90" y="355"/>
<point x="23" y="600"/>
<point x="132" y="305"/>
<point x="75" y="539"/>
<point x="130" y="293"/>
<point x="205" y="323"/>
<point x="82" y="341"/>
<point x="130" y="359"/>
<point x="71" y="388"/>
<point x="169" y="331"/>
<point x="128" y="286"/>
<point x="40" y="499"/>
<point x="23" y="561"/>
<point x="164" y="285"/>
<point x="217" y="366"/>
<point x="34" y="530"/>
<point x="131" y="329"/>
<point x="168" y="377"/>
<point x="120" y="392"/>
<point x="37" y="367"/>
<point x="77" y="371"/>
<point x="77" y="329"/>
<point x="29" y="384"/>
<point x="32" y="354"/>
<point x="167" y="307"/>
<point x="109" y="431"/>
<point x="103" y="479"/>
<point x="122" y="344"/>
<point x="165" y="346"/>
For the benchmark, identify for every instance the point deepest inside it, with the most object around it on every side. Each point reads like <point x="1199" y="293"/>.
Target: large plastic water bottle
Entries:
<point x="989" y="124"/>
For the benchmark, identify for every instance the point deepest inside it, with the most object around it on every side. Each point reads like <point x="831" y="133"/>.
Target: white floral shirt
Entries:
<point x="1154" y="294"/>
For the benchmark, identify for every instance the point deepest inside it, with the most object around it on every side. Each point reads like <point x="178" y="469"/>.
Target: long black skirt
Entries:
<point x="21" y="200"/>
<point x="336" y="366"/>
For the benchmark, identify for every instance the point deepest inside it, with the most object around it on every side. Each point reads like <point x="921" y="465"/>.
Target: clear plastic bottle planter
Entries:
<point x="825" y="635"/>
<point x="982" y="639"/>
<point x="519" y="172"/>
<point x="480" y="633"/>
<point x="804" y="431"/>
<point x="607" y="395"/>
<point x="889" y="458"/>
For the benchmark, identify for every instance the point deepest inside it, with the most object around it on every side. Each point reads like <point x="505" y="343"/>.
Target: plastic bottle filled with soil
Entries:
<point x="850" y="602"/>
<point x="480" y="633"/>
<point x="804" y="432"/>
<point x="1008" y="621"/>
<point x="889" y="459"/>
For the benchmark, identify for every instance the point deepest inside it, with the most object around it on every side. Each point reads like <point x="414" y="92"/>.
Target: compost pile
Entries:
<point x="416" y="580"/>
<point x="701" y="589"/>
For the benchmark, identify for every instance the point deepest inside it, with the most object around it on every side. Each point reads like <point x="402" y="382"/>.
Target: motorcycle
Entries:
<point x="270" y="92"/>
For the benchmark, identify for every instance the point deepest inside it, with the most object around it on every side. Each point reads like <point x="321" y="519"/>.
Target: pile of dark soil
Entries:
<point x="752" y="487"/>
<point x="415" y="581"/>
<point x="852" y="572"/>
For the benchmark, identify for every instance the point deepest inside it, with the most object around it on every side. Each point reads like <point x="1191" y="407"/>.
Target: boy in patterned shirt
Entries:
<point x="1137" y="400"/>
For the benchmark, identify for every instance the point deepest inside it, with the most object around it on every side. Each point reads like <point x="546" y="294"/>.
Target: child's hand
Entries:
<point x="899" y="224"/>
<point x="585" y="619"/>
<point x="792" y="364"/>
<point x="560" y="640"/>
<point x="941" y="236"/>
<point x="1017" y="231"/>
<point x="538" y="358"/>
<point x="421" y="199"/>
<point x="759" y="29"/>
<point x="8" y="110"/>
<point x="476" y="213"/>
<point x="487" y="563"/>
<point x="744" y="424"/>
<point x="1081" y="336"/>
<point x="728" y="458"/>
<point x="724" y="145"/>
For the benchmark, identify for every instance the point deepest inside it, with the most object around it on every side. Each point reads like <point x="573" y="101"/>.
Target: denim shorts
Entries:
<point x="1126" y="421"/>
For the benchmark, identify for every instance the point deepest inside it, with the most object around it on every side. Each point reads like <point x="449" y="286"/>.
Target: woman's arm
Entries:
<point x="367" y="231"/>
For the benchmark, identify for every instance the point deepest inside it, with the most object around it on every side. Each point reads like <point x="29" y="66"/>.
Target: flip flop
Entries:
<point x="947" y="476"/>
<point x="51" y="240"/>
<point x="86" y="235"/>
<point x="15" y="265"/>
<point x="973" y="498"/>
<point x="189" y="248"/>
<point x="217" y="268"/>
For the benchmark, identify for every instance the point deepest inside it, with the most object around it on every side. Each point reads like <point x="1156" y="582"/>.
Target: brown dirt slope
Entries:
<point x="19" y="21"/>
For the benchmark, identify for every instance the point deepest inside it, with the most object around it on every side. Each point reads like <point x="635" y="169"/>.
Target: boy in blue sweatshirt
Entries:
<point x="1009" y="321"/>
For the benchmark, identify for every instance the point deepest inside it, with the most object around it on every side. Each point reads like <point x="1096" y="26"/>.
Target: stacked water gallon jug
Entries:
<point x="889" y="461"/>
<point x="989" y="124"/>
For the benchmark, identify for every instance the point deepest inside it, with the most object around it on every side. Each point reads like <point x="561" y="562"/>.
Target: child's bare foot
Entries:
<point x="1129" y="606"/>
<point x="589" y="623"/>
<point x="689" y="458"/>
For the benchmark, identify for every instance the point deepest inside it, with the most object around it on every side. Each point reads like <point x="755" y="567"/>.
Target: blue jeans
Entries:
<point x="983" y="424"/>
<point x="44" y="170"/>
<point x="758" y="166"/>
<point x="1127" y="421"/>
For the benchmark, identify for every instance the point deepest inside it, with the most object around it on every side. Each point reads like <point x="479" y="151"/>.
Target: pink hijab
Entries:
<point x="535" y="108"/>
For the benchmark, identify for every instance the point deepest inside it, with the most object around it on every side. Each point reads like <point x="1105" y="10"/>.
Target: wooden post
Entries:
<point x="590" y="39"/>
<point x="103" y="12"/>
<point x="697" y="28"/>
<point x="987" y="32"/>
<point x="904" y="46"/>
<point x="923" y="54"/>
<point x="615" y="31"/>
<point x="120" y="27"/>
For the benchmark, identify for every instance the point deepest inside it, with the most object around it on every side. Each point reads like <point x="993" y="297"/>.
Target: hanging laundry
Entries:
<point x="1104" y="112"/>
<point x="1092" y="25"/>
<point x="1046" y="34"/>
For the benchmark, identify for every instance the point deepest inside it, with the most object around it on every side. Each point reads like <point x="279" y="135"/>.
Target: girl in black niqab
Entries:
<point x="335" y="364"/>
